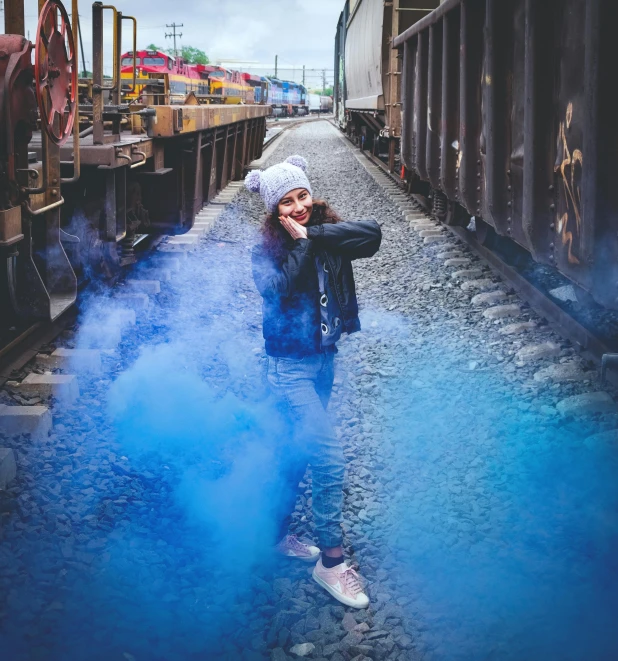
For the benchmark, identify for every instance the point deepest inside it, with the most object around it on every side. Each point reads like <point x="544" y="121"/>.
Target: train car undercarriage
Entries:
<point x="83" y="174"/>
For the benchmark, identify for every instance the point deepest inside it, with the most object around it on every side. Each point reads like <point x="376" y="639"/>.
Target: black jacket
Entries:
<point x="289" y="286"/>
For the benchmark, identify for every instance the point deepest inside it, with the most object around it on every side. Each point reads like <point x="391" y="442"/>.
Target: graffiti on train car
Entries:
<point x="571" y="177"/>
<point x="527" y="110"/>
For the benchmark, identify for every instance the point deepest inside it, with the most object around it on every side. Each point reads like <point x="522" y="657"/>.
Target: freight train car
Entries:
<point x="84" y="176"/>
<point x="318" y="103"/>
<point x="508" y="116"/>
<point x="367" y="70"/>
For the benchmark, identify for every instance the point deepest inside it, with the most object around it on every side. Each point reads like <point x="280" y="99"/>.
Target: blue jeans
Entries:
<point x="305" y="385"/>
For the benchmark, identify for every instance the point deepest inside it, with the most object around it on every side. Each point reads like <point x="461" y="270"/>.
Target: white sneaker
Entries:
<point x="291" y="547"/>
<point x="343" y="583"/>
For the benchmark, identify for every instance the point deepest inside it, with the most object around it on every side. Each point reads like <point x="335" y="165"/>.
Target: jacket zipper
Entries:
<point x="335" y="287"/>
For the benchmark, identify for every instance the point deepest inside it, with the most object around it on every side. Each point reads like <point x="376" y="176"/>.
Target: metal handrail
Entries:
<point x="139" y="163"/>
<point x="116" y="69"/>
<point x="49" y="207"/>
<point x="132" y="18"/>
<point x="76" y="136"/>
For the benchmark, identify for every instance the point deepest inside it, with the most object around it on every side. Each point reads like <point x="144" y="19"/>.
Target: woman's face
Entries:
<point x="297" y="204"/>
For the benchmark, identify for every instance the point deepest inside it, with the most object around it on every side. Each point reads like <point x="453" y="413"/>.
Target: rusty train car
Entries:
<point x="507" y="117"/>
<point x="367" y="72"/>
<point x="84" y="176"/>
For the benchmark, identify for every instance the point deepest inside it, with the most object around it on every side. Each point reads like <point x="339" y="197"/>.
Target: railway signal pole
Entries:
<point x="173" y="34"/>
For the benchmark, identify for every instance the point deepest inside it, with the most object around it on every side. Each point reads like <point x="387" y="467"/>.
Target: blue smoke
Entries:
<point x="175" y="491"/>
<point x="504" y="522"/>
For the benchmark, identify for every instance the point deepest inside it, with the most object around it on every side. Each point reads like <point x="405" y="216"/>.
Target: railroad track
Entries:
<point x="286" y="125"/>
<point x="99" y="494"/>
<point x="593" y="345"/>
<point x="97" y="498"/>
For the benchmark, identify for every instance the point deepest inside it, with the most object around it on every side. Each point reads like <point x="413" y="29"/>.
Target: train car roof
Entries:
<point x="251" y="76"/>
<point x="151" y="53"/>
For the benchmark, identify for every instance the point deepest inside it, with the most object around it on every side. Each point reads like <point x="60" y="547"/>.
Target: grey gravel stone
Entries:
<point x="304" y="649"/>
<point x="278" y="655"/>
<point x="348" y="622"/>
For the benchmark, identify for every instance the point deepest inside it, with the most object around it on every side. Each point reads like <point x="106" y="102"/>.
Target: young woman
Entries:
<point x="302" y="268"/>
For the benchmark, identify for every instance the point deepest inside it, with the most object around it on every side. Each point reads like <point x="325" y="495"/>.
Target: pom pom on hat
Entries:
<point x="278" y="180"/>
<point x="252" y="181"/>
<point x="298" y="161"/>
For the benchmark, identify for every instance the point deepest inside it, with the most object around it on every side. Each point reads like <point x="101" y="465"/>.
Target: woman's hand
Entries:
<point x="294" y="229"/>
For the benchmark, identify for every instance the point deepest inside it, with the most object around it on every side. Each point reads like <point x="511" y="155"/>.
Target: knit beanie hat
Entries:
<point x="273" y="184"/>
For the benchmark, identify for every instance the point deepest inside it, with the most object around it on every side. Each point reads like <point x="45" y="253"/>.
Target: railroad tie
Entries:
<point x="571" y="371"/>
<point x="8" y="467"/>
<point x="81" y="360"/>
<point x="533" y="352"/>
<point x="64" y="387"/>
<point x="518" y="328"/>
<point x="33" y="420"/>
<point x="502" y="311"/>
<point x="586" y="404"/>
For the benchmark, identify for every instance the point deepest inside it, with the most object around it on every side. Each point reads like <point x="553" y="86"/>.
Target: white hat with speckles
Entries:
<point x="275" y="182"/>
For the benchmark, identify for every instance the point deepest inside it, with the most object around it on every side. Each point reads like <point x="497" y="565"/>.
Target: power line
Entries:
<point x="174" y="34"/>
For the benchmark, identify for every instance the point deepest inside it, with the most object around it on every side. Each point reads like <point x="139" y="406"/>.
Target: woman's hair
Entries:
<point x="276" y="238"/>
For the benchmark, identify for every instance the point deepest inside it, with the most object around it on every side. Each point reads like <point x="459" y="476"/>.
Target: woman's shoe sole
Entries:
<point x="337" y="595"/>
<point x="313" y="558"/>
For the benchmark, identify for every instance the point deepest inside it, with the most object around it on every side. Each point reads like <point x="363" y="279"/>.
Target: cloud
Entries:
<point x="299" y="32"/>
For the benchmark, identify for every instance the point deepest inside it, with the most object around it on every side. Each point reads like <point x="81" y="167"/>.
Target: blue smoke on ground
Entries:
<point x="503" y="522"/>
<point x="175" y="492"/>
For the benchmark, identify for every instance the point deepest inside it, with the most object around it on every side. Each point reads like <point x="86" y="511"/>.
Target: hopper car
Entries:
<point x="367" y="74"/>
<point x="507" y="117"/>
<point x="85" y="176"/>
<point x="497" y="110"/>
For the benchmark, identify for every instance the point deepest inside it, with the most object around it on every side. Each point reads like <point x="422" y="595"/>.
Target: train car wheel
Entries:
<point x="55" y="72"/>
<point x="456" y="215"/>
<point x="485" y="233"/>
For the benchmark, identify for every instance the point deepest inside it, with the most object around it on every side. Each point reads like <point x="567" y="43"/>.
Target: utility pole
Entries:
<point x="303" y="75"/>
<point x="276" y="63"/>
<point x="323" y="81"/>
<point x="173" y="34"/>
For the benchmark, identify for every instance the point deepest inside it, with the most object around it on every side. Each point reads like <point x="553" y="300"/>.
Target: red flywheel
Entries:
<point x="55" y="72"/>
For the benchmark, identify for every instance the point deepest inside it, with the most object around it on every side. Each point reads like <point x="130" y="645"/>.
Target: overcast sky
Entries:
<point x="299" y="31"/>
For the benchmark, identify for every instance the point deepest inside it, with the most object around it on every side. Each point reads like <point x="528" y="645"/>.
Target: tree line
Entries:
<point x="189" y="54"/>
